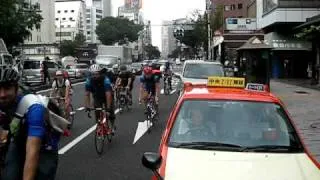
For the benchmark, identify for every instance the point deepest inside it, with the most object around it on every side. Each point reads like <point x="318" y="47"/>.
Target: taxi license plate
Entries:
<point x="226" y="82"/>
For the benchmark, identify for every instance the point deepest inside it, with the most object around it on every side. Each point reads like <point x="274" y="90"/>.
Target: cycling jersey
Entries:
<point x="98" y="87"/>
<point x="150" y="83"/>
<point x="60" y="86"/>
<point x="124" y="76"/>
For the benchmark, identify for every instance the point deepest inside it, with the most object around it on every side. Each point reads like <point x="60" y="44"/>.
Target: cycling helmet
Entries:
<point x="59" y="73"/>
<point x="95" y="68"/>
<point x="147" y="70"/>
<point x="9" y="75"/>
<point x="123" y="68"/>
<point x="116" y="66"/>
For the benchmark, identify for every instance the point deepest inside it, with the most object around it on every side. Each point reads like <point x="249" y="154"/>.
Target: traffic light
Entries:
<point x="178" y="33"/>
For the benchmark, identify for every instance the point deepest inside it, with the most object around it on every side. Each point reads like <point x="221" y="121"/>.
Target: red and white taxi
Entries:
<point x="224" y="130"/>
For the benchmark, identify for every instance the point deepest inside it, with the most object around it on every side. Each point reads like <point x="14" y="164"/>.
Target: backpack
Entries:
<point x="64" y="84"/>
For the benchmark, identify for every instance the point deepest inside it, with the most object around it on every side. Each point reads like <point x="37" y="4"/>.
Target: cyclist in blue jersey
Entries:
<point x="100" y="87"/>
<point x="31" y="151"/>
<point x="150" y="85"/>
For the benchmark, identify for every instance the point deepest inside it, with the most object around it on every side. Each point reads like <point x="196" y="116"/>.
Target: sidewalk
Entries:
<point x="299" y="82"/>
<point x="304" y="106"/>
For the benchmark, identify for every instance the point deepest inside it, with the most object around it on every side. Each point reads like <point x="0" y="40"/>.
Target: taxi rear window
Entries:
<point x="235" y="123"/>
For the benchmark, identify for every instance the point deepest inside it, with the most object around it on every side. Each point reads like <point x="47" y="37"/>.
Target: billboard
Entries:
<point x="241" y="24"/>
<point x="133" y="4"/>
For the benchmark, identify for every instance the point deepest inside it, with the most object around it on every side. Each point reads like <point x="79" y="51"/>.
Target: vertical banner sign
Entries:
<point x="208" y="5"/>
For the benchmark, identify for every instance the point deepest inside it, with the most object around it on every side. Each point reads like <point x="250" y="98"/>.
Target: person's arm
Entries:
<point x="36" y="131"/>
<point x="53" y="89"/>
<point x="129" y="80"/>
<point x="87" y="94"/>
<point x="67" y="93"/>
<point x="108" y="93"/>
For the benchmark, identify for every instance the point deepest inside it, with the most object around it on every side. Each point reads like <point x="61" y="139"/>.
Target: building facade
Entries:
<point x="93" y="16"/>
<point x="232" y="8"/>
<point x="168" y="40"/>
<point x="277" y="18"/>
<point x="69" y="19"/>
<point x="41" y="41"/>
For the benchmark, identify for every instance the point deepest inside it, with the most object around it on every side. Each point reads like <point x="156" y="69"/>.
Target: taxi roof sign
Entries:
<point x="256" y="87"/>
<point x="216" y="81"/>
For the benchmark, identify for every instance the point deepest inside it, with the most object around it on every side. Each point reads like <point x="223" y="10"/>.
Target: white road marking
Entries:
<point x="47" y="90"/>
<point x="141" y="130"/>
<point x="79" y="138"/>
<point x="173" y="91"/>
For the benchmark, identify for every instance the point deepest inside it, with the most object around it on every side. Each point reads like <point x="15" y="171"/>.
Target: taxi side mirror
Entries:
<point x="153" y="162"/>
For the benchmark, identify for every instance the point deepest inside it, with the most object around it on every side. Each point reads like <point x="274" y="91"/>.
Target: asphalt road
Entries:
<point x="122" y="157"/>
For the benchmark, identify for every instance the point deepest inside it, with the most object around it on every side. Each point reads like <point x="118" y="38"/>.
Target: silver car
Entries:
<point x="78" y="70"/>
<point x="198" y="71"/>
<point x="33" y="71"/>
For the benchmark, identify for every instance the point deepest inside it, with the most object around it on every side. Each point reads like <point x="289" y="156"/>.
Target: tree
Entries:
<point x="17" y="19"/>
<point x="67" y="48"/>
<point x="116" y="29"/>
<point x="217" y="19"/>
<point x="197" y="37"/>
<point x="80" y="39"/>
<point x="152" y="52"/>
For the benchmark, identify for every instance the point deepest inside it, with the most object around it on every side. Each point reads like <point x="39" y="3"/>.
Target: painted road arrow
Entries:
<point x="141" y="130"/>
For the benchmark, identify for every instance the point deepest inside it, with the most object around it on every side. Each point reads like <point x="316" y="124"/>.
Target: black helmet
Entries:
<point x="9" y="76"/>
<point x="123" y="68"/>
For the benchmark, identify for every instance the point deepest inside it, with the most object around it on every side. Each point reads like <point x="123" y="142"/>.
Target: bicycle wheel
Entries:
<point x="71" y="116"/>
<point x="99" y="138"/>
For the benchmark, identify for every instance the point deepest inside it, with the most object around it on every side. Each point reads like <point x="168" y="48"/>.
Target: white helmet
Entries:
<point x="59" y="73"/>
<point x="116" y="66"/>
<point x="95" y="68"/>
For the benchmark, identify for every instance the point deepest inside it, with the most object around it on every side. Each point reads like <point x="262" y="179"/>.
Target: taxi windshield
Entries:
<point x="234" y="126"/>
<point x="202" y="71"/>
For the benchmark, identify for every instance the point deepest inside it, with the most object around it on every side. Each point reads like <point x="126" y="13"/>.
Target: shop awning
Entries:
<point x="254" y="43"/>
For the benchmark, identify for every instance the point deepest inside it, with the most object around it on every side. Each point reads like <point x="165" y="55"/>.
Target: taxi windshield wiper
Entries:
<point x="208" y="146"/>
<point x="271" y="148"/>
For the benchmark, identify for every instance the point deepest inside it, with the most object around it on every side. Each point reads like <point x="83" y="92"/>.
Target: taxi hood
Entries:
<point x="207" y="164"/>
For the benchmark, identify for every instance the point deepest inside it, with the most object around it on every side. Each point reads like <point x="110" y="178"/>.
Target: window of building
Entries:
<point x="88" y="21"/>
<point x="233" y="7"/>
<point x="240" y="6"/>
<point x="88" y="32"/>
<point x="62" y="26"/>
<point x="88" y="27"/>
<point x="88" y="10"/>
<point x="88" y="16"/>
<point x="63" y="18"/>
<point x="240" y="16"/>
<point x="69" y="26"/>
<point x="70" y="18"/>
<point x="57" y="19"/>
<point x="97" y="21"/>
<point x="72" y="11"/>
<point x="227" y="8"/>
<point x="99" y="11"/>
<point x="98" y="16"/>
<point x="65" y="11"/>
<point x="59" y="11"/>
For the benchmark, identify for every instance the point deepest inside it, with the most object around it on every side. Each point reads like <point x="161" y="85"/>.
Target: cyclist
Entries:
<point x="167" y="73"/>
<point x="101" y="89"/>
<point x="32" y="149"/>
<point x="125" y="80"/>
<point x="149" y="84"/>
<point x="61" y="87"/>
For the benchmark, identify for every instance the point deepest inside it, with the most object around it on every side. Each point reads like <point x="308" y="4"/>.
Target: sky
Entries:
<point x="159" y="10"/>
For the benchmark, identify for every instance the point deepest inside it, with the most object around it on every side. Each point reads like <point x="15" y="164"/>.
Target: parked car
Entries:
<point x="33" y="71"/>
<point x="77" y="70"/>
<point x="137" y="68"/>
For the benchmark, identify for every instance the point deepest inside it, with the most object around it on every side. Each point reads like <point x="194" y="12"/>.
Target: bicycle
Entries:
<point x="122" y="99"/>
<point x="103" y="129"/>
<point x="3" y="148"/>
<point x="151" y="112"/>
<point x="67" y="112"/>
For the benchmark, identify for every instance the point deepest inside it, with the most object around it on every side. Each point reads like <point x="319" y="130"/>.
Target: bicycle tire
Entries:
<point x="99" y="145"/>
<point x="71" y="116"/>
<point x="109" y="136"/>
